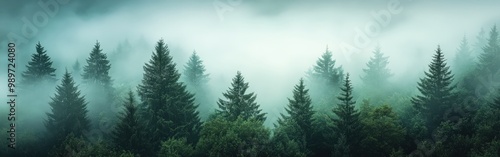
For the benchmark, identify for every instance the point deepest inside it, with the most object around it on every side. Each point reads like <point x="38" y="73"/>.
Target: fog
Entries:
<point x="273" y="43"/>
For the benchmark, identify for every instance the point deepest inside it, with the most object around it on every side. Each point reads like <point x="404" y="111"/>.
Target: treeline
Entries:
<point x="456" y="111"/>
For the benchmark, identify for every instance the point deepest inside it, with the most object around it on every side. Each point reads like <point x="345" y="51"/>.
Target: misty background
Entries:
<point x="273" y="43"/>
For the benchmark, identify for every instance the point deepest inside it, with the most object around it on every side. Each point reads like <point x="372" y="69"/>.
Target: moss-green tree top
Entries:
<point x="239" y="103"/>
<point x="39" y="68"/>
<point x="194" y="71"/>
<point x="325" y="70"/>
<point x="97" y="69"/>
<point x="377" y="73"/>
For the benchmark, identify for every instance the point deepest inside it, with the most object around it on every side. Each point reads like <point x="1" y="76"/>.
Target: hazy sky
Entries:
<point x="272" y="42"/>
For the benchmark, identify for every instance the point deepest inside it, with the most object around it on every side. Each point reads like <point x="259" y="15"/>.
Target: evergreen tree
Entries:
<point x="39" y="68"/>
<point x="239" y="103"/>
<point x="377" y="73"/>
<point x="481" y="41"/>
<point x="169" y="108"/>
<point x="437" y="92"/>
<point x="348" y="122"/>
<point x="300" y="111"/>
<point x="128" y="133"/>
<point x="69" y="111"/>
<point x="464" y="61"/>
<point x="195" y="71"/>
<point x="99" y="90"/>
<point x="196" y="81"/>
<point x="324" y="77"/>
<point x="97" y="69"/>
<point x="325" y="71"/>
<point x="489" y="60"/>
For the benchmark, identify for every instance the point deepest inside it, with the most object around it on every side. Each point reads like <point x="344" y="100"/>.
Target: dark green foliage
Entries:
<point x="240" y="137"/>
<point x="97" y="69"/>
<point x="348" y="123"/>
<point x="129" y="132"/>
<point x="437" y="92"/>
<point x="384" y="131"/>
<point x="496" y="103"/>
<point x="239" y="103"/>
<point x="288" y="140"/>
<point x="168" y="107"/>
<point x="300" y="112"/>
<point x="176" y="148"/>
<point x="39" y="69"/>
<point x="75" y="146"/>
<point x="68" y="111"/>
<point x="377" y="73"/>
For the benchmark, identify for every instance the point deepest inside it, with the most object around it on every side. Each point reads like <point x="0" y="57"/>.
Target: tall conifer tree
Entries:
<point x="239" y="103"/>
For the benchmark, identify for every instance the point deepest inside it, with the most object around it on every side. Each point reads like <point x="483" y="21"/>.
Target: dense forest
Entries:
<point x="454" y="111"/>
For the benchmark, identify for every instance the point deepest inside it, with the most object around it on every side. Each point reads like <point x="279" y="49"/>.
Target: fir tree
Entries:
<point x="195" y="71"/>
<point x="128" y="133"/>
<point x="481" y="41"/>
<point x="68" y="111"/>
<point x="348" y="123"/>
<point x="39" y="68"/>
<point x="196" y="81"/>
<point x="463" y="58"/>
<point x="325" y="70"/>
<point x="239" y="103"/>
<point x="437" y="91"/>
<point x="97" y="69"/>
<point x="300" y="110"/>
<point x="169" y="108"/>
<point x="377" y="73"/>
<point x="489" y="59"/>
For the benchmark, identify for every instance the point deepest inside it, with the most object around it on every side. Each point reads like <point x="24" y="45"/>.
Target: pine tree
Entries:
<point x="39" y="68"/>
<point x="239" y="103"/>
<point x="97" y="69"/>
<point x="128" y="133"/>
<point x="196" y="81"/>
<point x="489" y="59"/>
<point x="463" y="59"/>
<point x="325" y="70"/>
<point x="377" y="73"/>
<point x="300" y="110"/>
<point x="194" y="71"/>
<point x="437" y="91"/>
<point x="348" y="123"/>
<point x="481" y="41"/>
<point x="69" y="111"/>
<point x="169" y="108"/>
